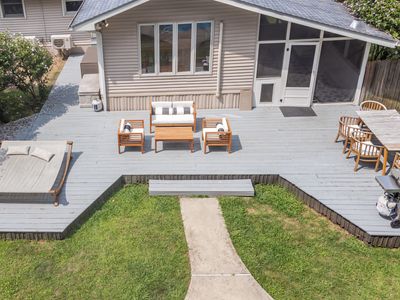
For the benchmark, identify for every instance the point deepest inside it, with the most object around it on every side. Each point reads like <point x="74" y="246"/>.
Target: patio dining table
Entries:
<point x="385" y="125"/>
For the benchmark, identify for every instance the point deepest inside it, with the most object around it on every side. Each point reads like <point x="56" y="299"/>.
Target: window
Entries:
<point x="300" y="32"/>
<point x="203" y="45"/>
<point x="12" y="8"/>
<point x="272" y="29"/>
<point x="175" y="48"/>
<point x="270" y="60"/>
<point x="147" y="47"/>
<point x="71" y="6"/>
<point x="184" y="47"/>
<point x="267" y="92"/>
<point x="166" y="44"/>
<point x="339" y="71"/>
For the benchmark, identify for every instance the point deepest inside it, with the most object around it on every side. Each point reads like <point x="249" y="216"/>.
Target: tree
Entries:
<point x="384" y="15"/>
<point x="24" y="64"/>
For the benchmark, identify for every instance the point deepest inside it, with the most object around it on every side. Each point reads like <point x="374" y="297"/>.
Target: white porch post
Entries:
<point x="102" y="76"/>
<point x="357" y="96"/>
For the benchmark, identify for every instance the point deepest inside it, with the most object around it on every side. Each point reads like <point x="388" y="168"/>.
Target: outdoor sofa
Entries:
<point x="173" y="114"/>
<point x="33" y="171"/>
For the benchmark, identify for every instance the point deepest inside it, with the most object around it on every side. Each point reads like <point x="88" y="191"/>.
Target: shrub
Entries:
<point x="24" y="65"/>
<point x="384" y="15"/>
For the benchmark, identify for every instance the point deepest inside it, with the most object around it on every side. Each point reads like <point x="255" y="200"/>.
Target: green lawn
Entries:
<point x="296" y="254"/>
<point x="133" y="248"/>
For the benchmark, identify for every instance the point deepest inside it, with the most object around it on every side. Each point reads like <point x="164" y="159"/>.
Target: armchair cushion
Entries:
<point x="209" y="130"/>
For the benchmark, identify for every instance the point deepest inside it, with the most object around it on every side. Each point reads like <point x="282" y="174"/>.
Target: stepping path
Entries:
<point x="217" y="270"/>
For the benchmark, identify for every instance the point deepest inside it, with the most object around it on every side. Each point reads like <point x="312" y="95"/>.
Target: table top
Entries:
<point x="385" y="125"/>
<point x="174" y="134"/>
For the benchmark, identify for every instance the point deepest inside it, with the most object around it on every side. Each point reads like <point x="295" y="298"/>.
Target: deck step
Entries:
<point x="201" y="187"/>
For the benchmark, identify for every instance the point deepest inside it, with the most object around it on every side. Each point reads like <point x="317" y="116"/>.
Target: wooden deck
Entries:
<point x="300" y="150"/>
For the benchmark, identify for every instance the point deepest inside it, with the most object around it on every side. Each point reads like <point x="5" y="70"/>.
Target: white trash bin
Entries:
<point x="97" y="105"/>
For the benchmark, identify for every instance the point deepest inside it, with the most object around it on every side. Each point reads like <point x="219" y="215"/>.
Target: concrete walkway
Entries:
<point x="217" y="270"/>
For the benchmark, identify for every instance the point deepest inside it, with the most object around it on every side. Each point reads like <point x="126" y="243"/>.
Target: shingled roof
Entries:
<point x="319" y="12"/>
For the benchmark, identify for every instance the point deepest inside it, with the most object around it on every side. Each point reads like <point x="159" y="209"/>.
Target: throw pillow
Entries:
<point x="42" y="154"/>
<point x="18" y="150"/>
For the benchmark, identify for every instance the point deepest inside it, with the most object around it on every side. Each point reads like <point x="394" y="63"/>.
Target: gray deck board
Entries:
<point x="301" y="150"/>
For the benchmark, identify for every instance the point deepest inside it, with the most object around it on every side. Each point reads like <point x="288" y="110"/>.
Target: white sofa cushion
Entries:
<point x="208" y="130"/>
<point x="161" y="104"/>
<point x="42" y="154"/>
<point x="121" y="127"/>
<point x="137" y="130"/>
<point x="225" y="124"/>
<point x="163" y="111"/>
<point x="173" y="119"/>
<point x="18" y="150"/>
<point x="182" y="103"/>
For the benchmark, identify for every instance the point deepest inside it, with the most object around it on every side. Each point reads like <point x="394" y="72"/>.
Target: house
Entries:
<point x="42" y="19"/>
<point x="290" y="53"/>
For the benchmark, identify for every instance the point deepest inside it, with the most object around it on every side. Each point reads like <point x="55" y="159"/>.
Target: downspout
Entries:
<point x="102" y="76"/>
<point x="220" y="57"/>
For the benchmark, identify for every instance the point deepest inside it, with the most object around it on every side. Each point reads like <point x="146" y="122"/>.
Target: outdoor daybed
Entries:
<point x="33" y="171"/>
<point x="173" y="114"/>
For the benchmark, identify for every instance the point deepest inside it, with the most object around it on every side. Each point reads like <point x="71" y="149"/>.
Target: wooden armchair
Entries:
<point x="396" y="162"/>
<point x="346" y="127"/>
<point x="372" y="105"/>
<point x="212" y="137"/>
<point x="131" y="138"/>
<point x="364" y="149"/>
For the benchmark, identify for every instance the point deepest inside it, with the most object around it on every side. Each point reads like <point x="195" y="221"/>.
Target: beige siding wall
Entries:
<point x="43" y="18"/>
<point x="127" y="89"/>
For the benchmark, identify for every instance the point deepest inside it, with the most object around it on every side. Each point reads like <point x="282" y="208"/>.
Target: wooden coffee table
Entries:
<point x="174" y="134"/>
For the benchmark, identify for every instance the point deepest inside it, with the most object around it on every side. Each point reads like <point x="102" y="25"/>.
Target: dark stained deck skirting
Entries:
<point x="378" y="241"/>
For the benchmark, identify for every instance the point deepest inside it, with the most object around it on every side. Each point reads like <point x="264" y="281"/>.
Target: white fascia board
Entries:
<point x="285" y="17"/>
<point x="90" y="24"/>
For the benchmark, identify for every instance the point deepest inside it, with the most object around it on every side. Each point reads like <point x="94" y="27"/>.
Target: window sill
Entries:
<point x="174" y="74"/>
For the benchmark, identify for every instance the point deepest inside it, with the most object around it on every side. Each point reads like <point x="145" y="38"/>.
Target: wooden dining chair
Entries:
<point x="396" y="162"/>
<point x="346" y="127"/>
<point x="372" y="105"/>
<point x="362" y="146"/>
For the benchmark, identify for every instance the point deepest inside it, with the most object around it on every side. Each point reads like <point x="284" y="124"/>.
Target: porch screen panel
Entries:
<point x="300" y="66"/>
<point x="166" y="48"/>
<point x="339" y="70"/>
<point x="272" y="29"/>
<point x="270" y="60"/>
<point x="203" y="46"/>
<point x="184" y="47"/>
<point x="300" y="32"/>
<point x="147" y="51"/>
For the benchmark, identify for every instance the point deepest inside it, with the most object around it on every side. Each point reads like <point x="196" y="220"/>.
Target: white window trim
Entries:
<point x="3" y="17"/>
<point x="175" y="50"/>
<point x="64" y="9"/>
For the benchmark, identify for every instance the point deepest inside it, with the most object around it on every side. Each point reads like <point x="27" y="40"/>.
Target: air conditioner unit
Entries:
<point x="61" y="42"/>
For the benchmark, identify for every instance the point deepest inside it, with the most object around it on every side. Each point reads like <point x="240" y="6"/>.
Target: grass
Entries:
<point x="133" y="248"/>
<point x="294" y="253"/>
<point x="16" y="105"/>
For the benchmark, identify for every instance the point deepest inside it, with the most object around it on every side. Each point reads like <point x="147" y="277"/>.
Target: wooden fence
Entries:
<point x="382" y="83"/>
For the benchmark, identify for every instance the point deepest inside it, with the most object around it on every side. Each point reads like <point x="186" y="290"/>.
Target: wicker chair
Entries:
<point x="364" y="149"/>
<point x="212" y="137"/>
<point x="396" y="162"/>
<point x="131" y="138"/>
<point x="346" y="127"/>
<point x="372" y="105"/>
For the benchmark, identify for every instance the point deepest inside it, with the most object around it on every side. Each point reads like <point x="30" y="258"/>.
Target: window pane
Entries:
<point x="339" y="70"/>
<point x="300" y="32"/>
<point x="184" y="47"/>
<point x="300" y="66"/>
<point x="12" y="8"/>
<point x="166" y="39"/>
<point x="147" y="48"/>
<point x="270" y="60"/>
<point x="266" y="93"/>
<point x="272" y="29"/>
<point x="203" y="46"/>
<point x="331" y="35"/>
<point x="72" y="6"/>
